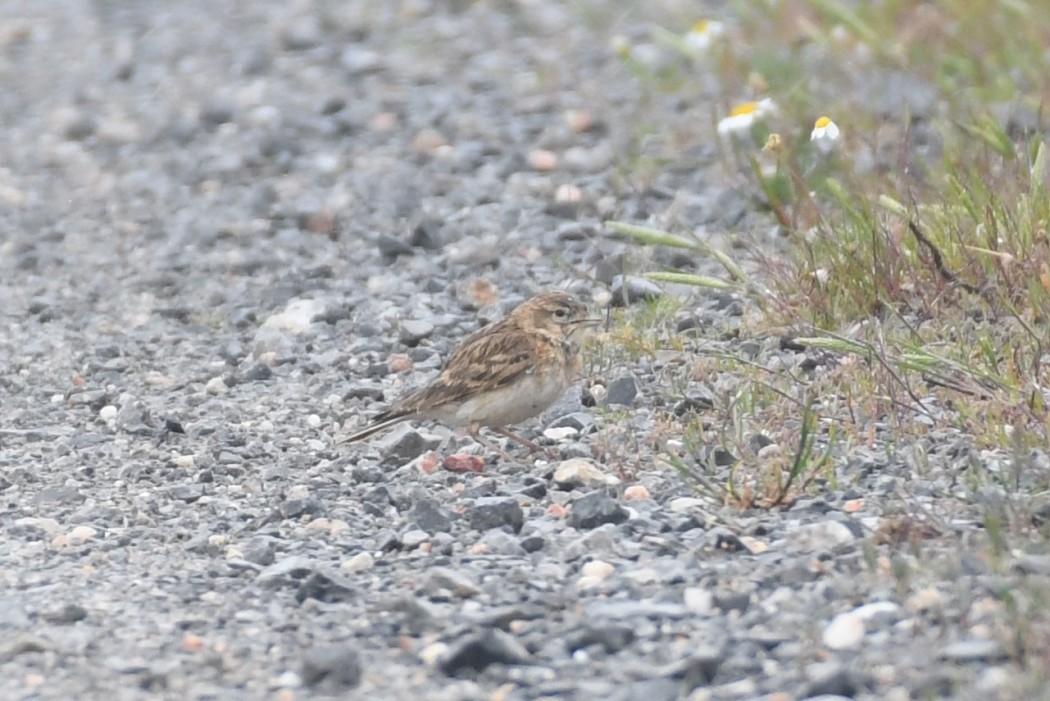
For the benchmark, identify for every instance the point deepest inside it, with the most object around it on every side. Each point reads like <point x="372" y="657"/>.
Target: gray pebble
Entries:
<point x="333" y="666"/>
<point x="479" y="650"/>
<point x="495" y="512"/>
<point x="621" y="391"/>
<point x="413" y="331"/>
<point x="595" y="509"/>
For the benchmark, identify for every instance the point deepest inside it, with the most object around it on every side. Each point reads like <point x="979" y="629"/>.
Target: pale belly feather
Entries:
<point x="528" y="397"/>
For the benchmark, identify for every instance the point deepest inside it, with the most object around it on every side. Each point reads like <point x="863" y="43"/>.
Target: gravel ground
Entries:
<point x="230" y="230"/>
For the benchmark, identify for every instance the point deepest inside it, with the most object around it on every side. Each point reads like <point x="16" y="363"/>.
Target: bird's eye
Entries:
<point x="561" y="313"/>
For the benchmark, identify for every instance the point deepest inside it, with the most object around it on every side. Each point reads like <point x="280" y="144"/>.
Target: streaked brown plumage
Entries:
<point x="502" y="374"/>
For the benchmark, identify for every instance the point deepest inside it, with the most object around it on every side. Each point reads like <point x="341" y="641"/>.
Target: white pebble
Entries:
<point x="556" y="434"/>
<point x="82" y="533"/>
<point x="698" y="600"/>
<point x="845" y="632"/>
<point x="683" y="504"/>
<point x="107" y="412"/>
<point x="432" y="654"/>
<point x="597" y="568"/>
<point x="359" y="563"/>
<point x="216" y="385"/>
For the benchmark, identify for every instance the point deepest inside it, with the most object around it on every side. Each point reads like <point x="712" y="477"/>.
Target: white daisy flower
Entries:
<point x="703" y="34"/>
<point x="825" y="134"/>
<point x="743" y="116"/>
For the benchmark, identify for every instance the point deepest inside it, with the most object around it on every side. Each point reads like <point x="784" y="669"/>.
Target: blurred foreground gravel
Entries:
<point x="229" y="228"/>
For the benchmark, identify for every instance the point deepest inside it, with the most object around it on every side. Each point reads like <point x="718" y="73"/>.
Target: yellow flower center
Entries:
<point x="822" y="122"/>
<point x="744" y="108"/>
<point x="701" y="26"/>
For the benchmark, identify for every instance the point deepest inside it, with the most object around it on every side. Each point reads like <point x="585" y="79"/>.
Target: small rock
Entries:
<point x="845" y="632"/>
<point x="403" y="444"/>
<point x="260" y="550"/>
<point x="70" y="613"/>
<point x="698" y="600"/>
<point x="107" y="412"/>
<point x="479" y="650"/>
<point x="633" y="290"/>
<point x="94" y="398"/>
<point x="259" y="372"/>
<point x="358" y="61"/>
<point x="577" y="472"/>
<point x="390" y="247"/>
<point x="325" y="586"/>
<point x="455" y="582"/>
<point x="217" y="111"/>
<point x="332" y="665"/>
<point x="831" y="681"/>
<point x="498" y="542"/>
<point x="925" y="599"/>
<point x="495" y="512"/>
<point x="188" y="493"/>
<point x="878" y="612"/>
<point x="428" y="141"/>
<point x="974" y="650"/>
<point x="733" y="601"/>
<point x="82" y="533"/>
<point x="542" y="160"/>
<point x="533" y="543"/>
<point x="411" y="540"/>
<point x="825" y="535"/>
<point x="621" y="391"/>
<point x="413" y="331"/>
<point x="288" y="571"/>
<point x="611" y="637"/>
<point x="59" y="494"/>
<point x="594" y="509"/>
<point x="296" y="318"/>
<point x="461" y="462"/>
<point x="682" y="505"/>
<point x="636" y="492"/>
<point x="433" y="653"/>
<point x="599" y="569"/>
<point x="579" y="420"/>
<point x="359" y="563"/>
<point x="428" y="515"/>
<point x="560" y="433"/>
<point x="1032" y="564"/>
<point x="216" y="385"/>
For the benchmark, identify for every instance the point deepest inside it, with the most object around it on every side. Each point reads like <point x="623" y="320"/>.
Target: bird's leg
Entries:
<point x="475" y="432"/>
<point x="533" y="447"/>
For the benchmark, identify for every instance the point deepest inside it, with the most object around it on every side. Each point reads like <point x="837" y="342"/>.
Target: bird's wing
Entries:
<point x="485" y="362"/>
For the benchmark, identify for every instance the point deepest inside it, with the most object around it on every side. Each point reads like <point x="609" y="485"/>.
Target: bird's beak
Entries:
<point x="586" y="327"/>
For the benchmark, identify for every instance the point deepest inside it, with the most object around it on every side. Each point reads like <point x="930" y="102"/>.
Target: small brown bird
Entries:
<point x="501" y="374"/>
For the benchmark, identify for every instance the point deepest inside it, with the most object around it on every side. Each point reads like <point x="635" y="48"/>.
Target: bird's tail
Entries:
<point x="378" y="425"/>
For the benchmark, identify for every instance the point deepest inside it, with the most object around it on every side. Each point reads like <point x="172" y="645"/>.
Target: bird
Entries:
<point x="502" y="374"/>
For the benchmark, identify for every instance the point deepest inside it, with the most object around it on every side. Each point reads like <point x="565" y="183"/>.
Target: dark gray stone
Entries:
<point x="428" y="515"/>
<point x="403" y="443"/>
<point x="413" y="331"/>
<point x="327" y="587"/>
<point x="621" y="391"/>
<point x="595" y="509"/>
<point x="331" y="666"/>
<point x="479" y="650"/>
<point x="495" y="512"/>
